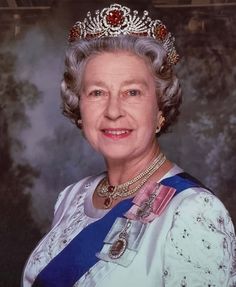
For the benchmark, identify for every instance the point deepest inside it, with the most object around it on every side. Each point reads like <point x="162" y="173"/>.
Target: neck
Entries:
<point x="121" y="171"/>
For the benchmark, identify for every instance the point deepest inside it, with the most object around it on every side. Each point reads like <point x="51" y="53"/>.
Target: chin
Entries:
<point x="116" y="154"/>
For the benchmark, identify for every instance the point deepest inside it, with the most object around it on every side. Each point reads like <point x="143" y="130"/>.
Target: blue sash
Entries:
<point x="78" y="257"/>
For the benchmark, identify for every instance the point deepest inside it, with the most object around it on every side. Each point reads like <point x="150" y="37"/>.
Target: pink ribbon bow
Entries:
<point x="150" y="202"/>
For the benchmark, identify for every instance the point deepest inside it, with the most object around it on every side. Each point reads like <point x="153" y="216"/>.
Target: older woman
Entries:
<point x="144" y="222"/>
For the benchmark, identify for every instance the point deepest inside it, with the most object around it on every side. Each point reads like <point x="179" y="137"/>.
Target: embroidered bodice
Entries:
<point x="192" y="243"/>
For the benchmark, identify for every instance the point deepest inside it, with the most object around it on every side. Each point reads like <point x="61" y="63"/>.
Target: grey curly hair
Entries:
<point x="168" y="89"/>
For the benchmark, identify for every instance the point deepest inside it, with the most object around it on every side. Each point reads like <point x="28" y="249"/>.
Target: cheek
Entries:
<point x="151" y="115"/>
<point x="147" y="125"/>
<point x="87" y="113"/>
<point x="90" y="121"/>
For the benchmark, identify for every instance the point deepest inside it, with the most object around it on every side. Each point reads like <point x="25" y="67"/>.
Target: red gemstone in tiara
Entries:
<point x="161" y="32"/>
<point x="74" y="33"/>
<point x="115" y="18"/>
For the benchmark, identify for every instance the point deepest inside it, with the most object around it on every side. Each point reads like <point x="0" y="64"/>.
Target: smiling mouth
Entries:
<point x="116" y="133"/>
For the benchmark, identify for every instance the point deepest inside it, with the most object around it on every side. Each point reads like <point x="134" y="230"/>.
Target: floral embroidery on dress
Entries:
<point x="183" y="282"/>
<point x="203" y="248"/>
<point x="61" y="235"/>
<point x="200" y="227"/>
<point x="233" y="269"/>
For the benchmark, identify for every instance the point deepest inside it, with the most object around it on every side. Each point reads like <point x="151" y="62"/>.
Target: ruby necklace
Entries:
<point x="111" y="192"/>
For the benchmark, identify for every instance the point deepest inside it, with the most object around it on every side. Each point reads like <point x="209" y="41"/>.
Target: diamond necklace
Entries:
<point x="111" y="192"/>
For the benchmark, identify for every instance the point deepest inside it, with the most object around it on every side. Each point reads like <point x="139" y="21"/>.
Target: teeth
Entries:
<point x="116" y="132"/>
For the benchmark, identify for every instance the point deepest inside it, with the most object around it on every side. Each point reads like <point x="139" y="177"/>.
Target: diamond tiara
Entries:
<point x="118" y="20"/>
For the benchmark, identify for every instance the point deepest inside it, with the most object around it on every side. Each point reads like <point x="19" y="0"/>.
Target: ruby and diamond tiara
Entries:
<point x="118" y="20"/>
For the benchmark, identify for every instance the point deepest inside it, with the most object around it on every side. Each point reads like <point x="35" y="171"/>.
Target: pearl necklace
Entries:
<point x="111" y="192"/>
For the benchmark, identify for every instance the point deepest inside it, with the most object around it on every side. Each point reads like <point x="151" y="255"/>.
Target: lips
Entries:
<point x="116" y="133"/>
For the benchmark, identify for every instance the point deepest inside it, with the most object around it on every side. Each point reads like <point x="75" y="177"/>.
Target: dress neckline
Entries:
<point x="96" y="213"/>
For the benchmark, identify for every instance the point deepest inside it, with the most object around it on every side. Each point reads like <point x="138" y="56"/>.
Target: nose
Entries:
<point x="114" y="109"/>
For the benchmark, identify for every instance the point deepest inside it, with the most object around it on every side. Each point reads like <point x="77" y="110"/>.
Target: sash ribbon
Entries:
<point x="65" y="269"/>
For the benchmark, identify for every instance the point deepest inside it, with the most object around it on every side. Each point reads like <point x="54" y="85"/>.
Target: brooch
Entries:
<point x="150" y="202"/>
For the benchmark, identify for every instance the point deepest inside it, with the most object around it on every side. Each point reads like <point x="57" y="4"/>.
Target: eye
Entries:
<point x="133" y="93"/>
<point x="96" y="93"/>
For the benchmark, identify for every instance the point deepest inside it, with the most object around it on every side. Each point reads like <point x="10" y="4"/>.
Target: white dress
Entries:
<point x="192" y="243"/>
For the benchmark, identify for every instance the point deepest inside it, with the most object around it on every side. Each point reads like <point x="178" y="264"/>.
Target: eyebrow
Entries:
<point x="96" y="83"/>
<point x="125" y="83"/>
<point x="135" y="81"/>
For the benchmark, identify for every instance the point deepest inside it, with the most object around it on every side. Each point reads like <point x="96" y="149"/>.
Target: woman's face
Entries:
<point x="119" y="106"/>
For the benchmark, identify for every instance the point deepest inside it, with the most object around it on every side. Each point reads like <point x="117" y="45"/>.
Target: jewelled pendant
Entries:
<point x="118" y="247"/>
<point x="108" y="202"/>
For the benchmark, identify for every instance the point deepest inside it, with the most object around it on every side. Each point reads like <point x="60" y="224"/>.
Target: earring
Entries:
<point x="157" y="130"/>
<point x="80" y="124"/>
<point x="162" y="120"/>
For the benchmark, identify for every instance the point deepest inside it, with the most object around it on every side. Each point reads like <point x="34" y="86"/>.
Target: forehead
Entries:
<point x="122" y="66"/>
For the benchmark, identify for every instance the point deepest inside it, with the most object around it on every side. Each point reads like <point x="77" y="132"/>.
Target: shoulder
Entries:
<point x="64" y="193"/>
<point x="202" y="204"/>
<point x="203" y="214"/>
<point x="193" y="198"/>
<point x="202" y="240"/>
<point x="74" y="192"/>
